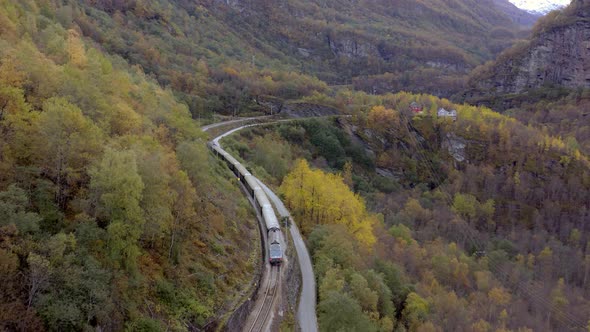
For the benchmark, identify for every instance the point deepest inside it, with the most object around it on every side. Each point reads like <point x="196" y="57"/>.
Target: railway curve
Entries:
<point x="306" y="315"/>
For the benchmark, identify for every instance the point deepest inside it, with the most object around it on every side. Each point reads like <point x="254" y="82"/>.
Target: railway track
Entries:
<point x="271" y="293"/>
<point x="259" y="318"/>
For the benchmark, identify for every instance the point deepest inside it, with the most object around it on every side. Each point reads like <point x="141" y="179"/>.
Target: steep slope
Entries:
<point x="557" y="54"/>
<point x="112" y="217"/>
<point x="228" y="48"/>
<point x="342" y="41"/>
<point x="483" y="219"/>
<point x="517" y="15"/>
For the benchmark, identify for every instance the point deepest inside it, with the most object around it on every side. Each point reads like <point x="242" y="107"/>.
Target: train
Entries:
<point x="261" y="202"/>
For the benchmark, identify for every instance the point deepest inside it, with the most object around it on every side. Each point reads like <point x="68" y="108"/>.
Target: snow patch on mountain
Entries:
<point x="540" y="6"/>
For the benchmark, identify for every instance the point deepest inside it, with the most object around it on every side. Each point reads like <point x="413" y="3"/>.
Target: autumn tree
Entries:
<point x="325" y="199"/>
<point x="66" y="143"/>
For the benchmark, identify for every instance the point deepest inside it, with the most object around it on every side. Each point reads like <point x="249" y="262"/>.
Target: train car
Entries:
<point x="251" y="184"/>
<point x="270" y="219"/>
<point x="261" y="202"/>
<point x="274" y="247"/>
<point x="231" y="161"/>
<point x="242" y="172"/>
<point x="216" y="150"/>
<point x="260" y="199"/>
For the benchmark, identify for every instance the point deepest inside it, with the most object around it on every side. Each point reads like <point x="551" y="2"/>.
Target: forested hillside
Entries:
<point x="111" y="215"/>
<point x="221" y="56"/>
<point x="482" y="222"/>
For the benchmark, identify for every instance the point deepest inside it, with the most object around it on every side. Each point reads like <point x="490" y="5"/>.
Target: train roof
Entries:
<point x="251" y="180"/>
<point x="218" y="149"/>
<point x="260" y="196"/>
<point x="242" y="169"/>
<point x="270" y="218"/>
<point x="230" y="158"/>
<point x="274" y="236"/>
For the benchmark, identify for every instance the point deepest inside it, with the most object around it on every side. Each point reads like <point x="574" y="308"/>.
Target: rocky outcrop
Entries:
<point x="351" y="46"/>
<point x="456" y="147"/>
<point x="558" y="55"/>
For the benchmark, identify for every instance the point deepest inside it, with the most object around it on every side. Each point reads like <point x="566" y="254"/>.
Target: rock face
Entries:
<point x="558" y="55"/>
<point x="456" y="147"/>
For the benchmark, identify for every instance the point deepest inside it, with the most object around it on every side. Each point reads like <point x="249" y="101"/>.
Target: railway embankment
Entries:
<point x="292" y="284"/>
<point x="239" y="317"/>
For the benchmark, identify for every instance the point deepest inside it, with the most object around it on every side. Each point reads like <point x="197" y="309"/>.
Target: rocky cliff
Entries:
<point x="420" y="43"/>
<point x="558" y="54"/>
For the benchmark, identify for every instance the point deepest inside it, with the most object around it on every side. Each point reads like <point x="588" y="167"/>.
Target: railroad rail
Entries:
<point x="271" y="293"/>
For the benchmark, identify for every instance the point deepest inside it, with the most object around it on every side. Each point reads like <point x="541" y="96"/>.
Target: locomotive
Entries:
<point x="261" y="202"/>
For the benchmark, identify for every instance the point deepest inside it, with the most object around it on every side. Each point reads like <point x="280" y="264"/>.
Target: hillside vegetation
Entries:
<point x="111" y="215"/>
<point x="220" y="56"/>
<point x="481" y="221"/>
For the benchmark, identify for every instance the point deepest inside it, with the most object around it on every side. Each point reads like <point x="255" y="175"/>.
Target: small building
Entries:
<point x="443" y="113"/>
<point x="416" y="108"/>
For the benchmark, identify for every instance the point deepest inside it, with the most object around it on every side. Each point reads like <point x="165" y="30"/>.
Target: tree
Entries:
<point x="339" y="312"/>
<point x="332" y="281"/>
<point x="183" y="209"/>
<point x="39" y="274"/>
<point x="499" y="298"/>
<point x="156" y="168"/>
<point x="117" y="188"/>
<point x="359" y="288"/>
<point x="416" y="311"/>
<point x="559" y="302"/>
<point x="13" y="210"/>
<point x="465" y="205"/>
<point x="66" y="143"/>
<point x="76" y="50"/>
<point x="347" y="175"/>
<point x="273" y="154"/>
<point x="416" y="212"/>
<point x="325" y="199"/>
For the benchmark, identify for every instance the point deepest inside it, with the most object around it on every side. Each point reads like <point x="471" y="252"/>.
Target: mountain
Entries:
<point x="517" y="15"/>
<point x="376" y="45"/>
<point x="540" y="6"/>
<point x="380" y="45"/>
<point x="114" y="216"/>
<point x="556" y="55"/>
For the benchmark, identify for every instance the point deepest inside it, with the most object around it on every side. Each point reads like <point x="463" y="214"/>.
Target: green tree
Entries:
<point x="339" y="312"/>
<point x="559" y="302"/>
<point x="359" y="288"/>
<point x="67" y="141"/>
<point x="416" y="311"/>
<point x="118" y="187"/>
<point x="13" y="210"/>
<point x="465" y="205"/>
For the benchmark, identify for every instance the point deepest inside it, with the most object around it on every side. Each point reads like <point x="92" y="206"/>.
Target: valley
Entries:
<point x="433" y="156"/>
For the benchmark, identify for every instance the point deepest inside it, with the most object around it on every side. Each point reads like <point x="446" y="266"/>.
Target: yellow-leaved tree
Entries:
<point x="320" y="198"/>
